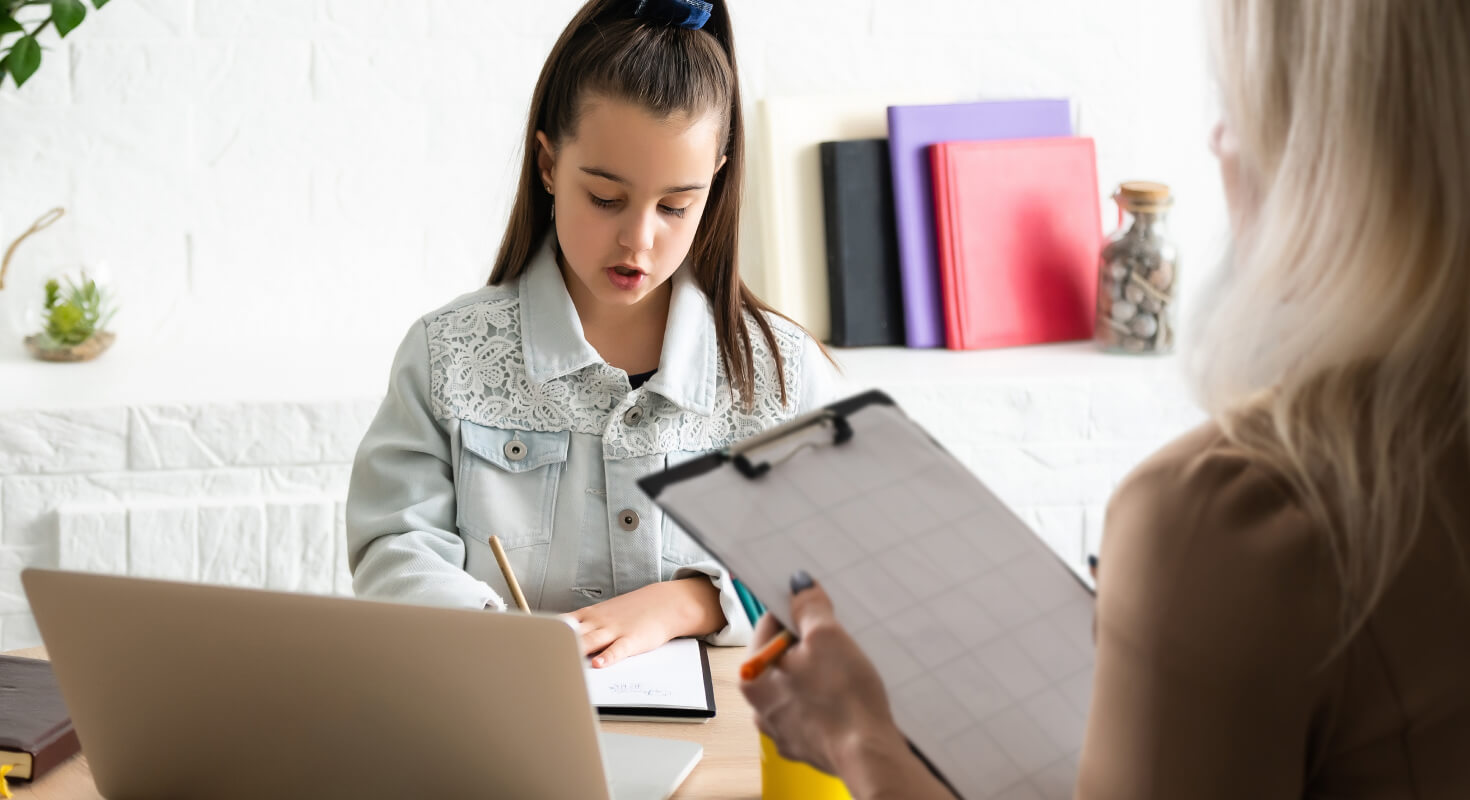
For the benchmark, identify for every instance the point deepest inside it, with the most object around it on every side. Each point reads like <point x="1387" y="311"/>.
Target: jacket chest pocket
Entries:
<point x="679" y="549"/>
<point x="507" y="483"/>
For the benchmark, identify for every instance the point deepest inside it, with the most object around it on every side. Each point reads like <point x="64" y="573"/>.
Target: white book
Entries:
<point x="668" y="684"/>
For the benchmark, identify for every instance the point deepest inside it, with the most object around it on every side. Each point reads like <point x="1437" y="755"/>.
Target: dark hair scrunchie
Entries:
<point x="691" y="14"/>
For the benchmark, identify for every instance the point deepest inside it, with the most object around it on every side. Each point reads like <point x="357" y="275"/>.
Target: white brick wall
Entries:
<point x="321" y="171"/>
<point x="244" y="164"/>
<point x="243" y="494"/>
<point x="251" y="493"/>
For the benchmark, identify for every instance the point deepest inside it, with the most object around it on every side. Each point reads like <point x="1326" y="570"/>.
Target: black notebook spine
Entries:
<point x="862" y="244"/>
<point x="832" y="222"/>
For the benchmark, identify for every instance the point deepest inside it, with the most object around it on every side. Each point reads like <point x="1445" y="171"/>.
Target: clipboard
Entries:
<point x="982" y="635"/>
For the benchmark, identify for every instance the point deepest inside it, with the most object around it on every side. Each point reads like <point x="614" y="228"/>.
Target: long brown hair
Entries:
<point x="666" y="70"/>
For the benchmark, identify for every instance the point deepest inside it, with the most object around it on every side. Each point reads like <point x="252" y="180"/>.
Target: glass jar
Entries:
<point x="1137" y="274"/>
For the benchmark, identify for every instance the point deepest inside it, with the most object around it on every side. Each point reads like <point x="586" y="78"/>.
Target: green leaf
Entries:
<point x="9" y="25"/>
<point x="98" y="4"/>
<point x="24" y="59"/>
<point x="67" y="14"/>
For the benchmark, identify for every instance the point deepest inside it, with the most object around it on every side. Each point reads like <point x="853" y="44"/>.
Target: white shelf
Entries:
<point x="181" y="372"/>
<point x="1072" y="361"/>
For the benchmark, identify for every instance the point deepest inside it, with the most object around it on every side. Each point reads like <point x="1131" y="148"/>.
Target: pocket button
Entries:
<point x="516" y="450"/>
<point x="628" y="519"/>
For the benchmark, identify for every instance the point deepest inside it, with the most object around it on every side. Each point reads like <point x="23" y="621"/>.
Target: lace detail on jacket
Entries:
<point x="477" y="373"/>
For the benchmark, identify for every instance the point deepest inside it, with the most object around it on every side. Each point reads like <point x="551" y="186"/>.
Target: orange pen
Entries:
<point x="753" y="668"/>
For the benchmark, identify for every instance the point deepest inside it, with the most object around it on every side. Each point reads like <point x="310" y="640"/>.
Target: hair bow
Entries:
<point x="691" y="14"/>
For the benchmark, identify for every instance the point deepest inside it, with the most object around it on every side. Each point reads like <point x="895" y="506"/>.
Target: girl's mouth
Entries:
<point x="625" y="278"/>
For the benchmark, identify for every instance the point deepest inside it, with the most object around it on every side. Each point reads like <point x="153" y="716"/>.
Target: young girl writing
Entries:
<point x="615" y="339"/>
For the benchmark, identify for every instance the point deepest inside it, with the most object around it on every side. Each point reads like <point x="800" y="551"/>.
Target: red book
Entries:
<point x="1019" y="226"/>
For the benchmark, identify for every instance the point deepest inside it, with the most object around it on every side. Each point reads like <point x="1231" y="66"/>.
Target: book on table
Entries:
<point x="36" y="733"/>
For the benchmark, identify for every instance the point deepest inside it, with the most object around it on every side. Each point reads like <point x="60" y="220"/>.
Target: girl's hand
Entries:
<point x="646" y="618"/>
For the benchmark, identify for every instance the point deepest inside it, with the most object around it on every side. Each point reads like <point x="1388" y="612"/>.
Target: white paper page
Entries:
<point x="982" y="636"/>
<point x="670" y="677"/>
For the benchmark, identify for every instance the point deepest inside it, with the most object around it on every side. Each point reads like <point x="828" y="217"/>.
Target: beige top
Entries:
<point x="1217" y="612"/>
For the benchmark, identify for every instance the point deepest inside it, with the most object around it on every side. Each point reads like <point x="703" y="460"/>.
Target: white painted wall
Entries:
<point x="310" y="175"/>
<point x="318" y="169"/>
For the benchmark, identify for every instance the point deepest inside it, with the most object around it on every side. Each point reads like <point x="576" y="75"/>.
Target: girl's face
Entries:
<point x="630" y="190"/>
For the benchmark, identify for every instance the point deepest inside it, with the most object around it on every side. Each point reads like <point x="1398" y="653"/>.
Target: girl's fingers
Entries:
<point x="615" y="652"/>
<point x="596" y="639"/>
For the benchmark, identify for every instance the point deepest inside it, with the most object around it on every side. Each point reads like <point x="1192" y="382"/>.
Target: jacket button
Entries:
<point x="633" y="416"/>
<point x="516" y="450"/>
<point x="628" y="519"/>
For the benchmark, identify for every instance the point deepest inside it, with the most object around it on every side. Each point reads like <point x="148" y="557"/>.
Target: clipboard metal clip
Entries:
<point x="739" y="453"/>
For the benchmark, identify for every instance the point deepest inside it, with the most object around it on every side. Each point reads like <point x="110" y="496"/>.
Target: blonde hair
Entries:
<point x="1338" y="349"/>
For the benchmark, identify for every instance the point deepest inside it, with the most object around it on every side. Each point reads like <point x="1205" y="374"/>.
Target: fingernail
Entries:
<point x="800" y="581"/>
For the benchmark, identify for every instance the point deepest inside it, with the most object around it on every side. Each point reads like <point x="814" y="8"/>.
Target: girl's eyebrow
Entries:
<point x="602" y="173"/>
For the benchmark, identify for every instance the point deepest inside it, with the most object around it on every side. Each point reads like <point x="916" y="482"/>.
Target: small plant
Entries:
<point x="75" y="320"/>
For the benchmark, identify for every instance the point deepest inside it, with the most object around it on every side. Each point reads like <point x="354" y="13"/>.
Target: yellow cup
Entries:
<point x="782" y="779"/>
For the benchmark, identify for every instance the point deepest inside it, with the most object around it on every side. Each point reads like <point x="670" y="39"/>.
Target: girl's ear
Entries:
<point x="545" y="161"/>
<point x="721" y="165"/>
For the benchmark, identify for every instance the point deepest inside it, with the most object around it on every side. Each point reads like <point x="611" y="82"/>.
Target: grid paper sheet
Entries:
<point x="982" y="636"/>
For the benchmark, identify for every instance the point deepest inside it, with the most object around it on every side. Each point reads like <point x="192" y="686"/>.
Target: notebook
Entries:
<point x="982" y="636"/>
<point x="864" y="286"/>
<point x="911" y="131"/>
<point x="669" y="684"/>
<point x="1018" y="229"/>
<point x="36" y="733"/>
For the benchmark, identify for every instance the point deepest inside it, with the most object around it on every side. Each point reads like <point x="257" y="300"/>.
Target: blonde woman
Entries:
<point x="1285" y="593"/>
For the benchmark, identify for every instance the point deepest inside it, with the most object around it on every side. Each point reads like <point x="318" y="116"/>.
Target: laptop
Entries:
<point x="184" y="690"/>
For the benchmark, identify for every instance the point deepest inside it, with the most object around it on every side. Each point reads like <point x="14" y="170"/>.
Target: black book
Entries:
<point x="865" y="288"/>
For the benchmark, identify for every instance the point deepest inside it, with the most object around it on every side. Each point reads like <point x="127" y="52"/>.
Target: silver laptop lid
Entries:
<point x="185" y="690"/>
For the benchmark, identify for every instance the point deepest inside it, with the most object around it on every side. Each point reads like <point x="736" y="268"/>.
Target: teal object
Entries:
<point x="753" y="607"/>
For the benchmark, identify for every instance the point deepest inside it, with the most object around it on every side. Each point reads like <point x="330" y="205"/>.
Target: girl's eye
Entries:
<point x="673" y="212"/>
<point x="602" y="203"/>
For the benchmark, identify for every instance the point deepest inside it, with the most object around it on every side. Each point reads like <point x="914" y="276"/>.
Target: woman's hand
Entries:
<point x="646" y="618"/>
<point x="824" y="691"/>
<point x="823" y="702"/>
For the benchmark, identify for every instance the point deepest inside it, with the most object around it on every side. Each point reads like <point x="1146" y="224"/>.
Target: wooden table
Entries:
<point x="730" y="768"/>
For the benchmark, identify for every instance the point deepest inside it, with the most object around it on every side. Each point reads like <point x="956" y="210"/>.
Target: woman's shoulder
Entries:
<point x="1205" y="493"/>
<point x="1206" y="539"/>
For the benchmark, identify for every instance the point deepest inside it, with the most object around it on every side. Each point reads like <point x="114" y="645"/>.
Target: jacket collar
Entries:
<point x="555" y="345"/>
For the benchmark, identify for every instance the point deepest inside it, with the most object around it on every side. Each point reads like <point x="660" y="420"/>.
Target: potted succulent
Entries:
<point x="75" y="317"/>
<point x="75" y="322"/>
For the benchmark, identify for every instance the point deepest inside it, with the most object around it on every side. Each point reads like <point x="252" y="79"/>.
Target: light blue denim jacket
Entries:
<point x="500" y="419"/>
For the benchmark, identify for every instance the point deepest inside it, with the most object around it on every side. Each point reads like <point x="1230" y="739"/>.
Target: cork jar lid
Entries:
<point x="1144" y="195"/>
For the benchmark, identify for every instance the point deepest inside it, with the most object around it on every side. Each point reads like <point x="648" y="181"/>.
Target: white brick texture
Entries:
<point x="264" y="156"/>
<point x="323" y="171"/>
<point x="251" y="494"/>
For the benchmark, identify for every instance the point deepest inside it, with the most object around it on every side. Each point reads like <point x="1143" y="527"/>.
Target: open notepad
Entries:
<point x="670" y="684"/>
<point x="981" y="634"/>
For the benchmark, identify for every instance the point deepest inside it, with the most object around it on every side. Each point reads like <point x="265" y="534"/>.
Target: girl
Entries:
<point x="615" y="338"/>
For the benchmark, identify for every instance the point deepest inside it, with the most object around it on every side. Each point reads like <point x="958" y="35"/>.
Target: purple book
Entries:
<point x="911" y="132"/>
